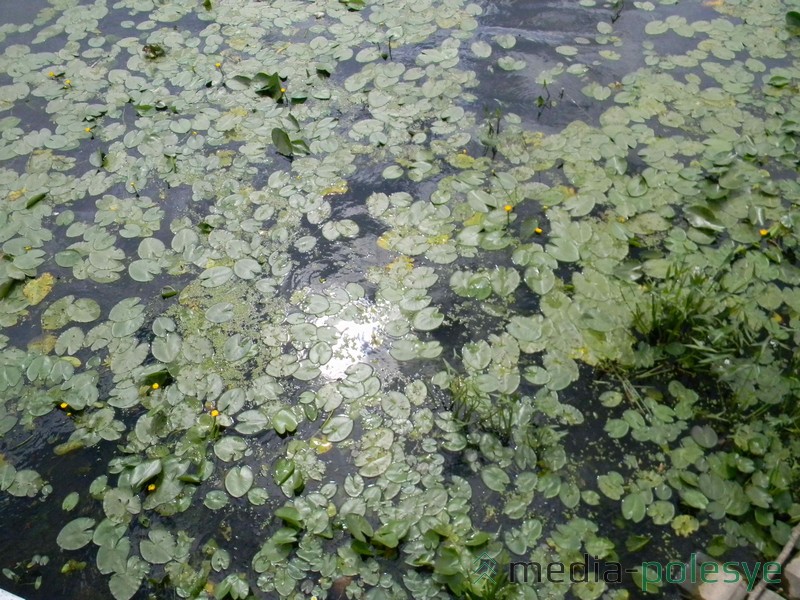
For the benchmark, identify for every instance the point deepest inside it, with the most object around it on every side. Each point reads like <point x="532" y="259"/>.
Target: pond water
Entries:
<point x="355" y="299"/>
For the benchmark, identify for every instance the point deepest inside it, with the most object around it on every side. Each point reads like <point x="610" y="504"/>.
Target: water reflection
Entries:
<point x="358" y="335"/>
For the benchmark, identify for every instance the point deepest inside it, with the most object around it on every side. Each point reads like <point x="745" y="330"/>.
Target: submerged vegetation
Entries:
<point x="336" y="298"/>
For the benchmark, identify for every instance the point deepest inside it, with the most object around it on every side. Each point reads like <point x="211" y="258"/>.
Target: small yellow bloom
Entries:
<point x="151" y="487"/>
<point x="63" y="405"/>
<point x="155" y="386"/>
<point x="215" y="413"/>
<point x="51" y="74"/>
<point x="538" y="230"/>
<point x="777" y="318"/>
<point x="88" y="129"/>
<point x="508" y="208"/>
<point x="218" y="65"/>
<point x="283" y="90"/>
<point x="763" y="231"/>
<point x="67" y="82"/>
<point x="194" y="133"/>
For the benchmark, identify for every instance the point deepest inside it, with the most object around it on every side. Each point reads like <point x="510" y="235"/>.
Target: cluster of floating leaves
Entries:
<point x="416" y="410"/>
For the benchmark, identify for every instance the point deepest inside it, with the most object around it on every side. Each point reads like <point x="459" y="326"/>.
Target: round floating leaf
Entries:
<point x="221" y="312"/>
<point x="37" y="289"/>
<point x="284" y="420"/>
<point x="505" y="281"/>
<point x="215" y="499"/>
<point x="617" y="428"/>
<point x="71" y="501"/>
<point x="505" y="40"/>
<point x="76" y="534"/>
<point x="143" y="270"/>
<point x="481" y="49"/>
<point x="661" y="512"/>
<point x="634" y="506"/>
<point x="611" y="485"/>
<point x="166" y="349"/>
<point x="427" y="319"/>
<point x="704" y="436"/>
<point x="246" y="268"/>
<point x="392" y="172"/>
<point x="159" y="548"/>
<point x="495" y="478"/>
<point x="215" y="276"/>
<point x="124" y="585"/>
<point x="694" y="498"/>
<point x="338" y="428"/>
<point x="509" y="63"/>
<point x="26" y="483"/>
<point x="84" y="310"/>
<point x="230" y="448"/>
<point x="396" y="405"/>
<point x="239" y="480"/>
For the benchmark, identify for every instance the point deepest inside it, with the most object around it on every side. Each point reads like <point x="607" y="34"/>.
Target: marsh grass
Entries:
<point x="474" y="408"/>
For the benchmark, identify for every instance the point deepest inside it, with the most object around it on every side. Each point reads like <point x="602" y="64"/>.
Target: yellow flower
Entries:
<point x="88" y="129"/>
<point x="538" y="230"/>
<point x="155" y="386"/>
<point x="63" y="405"/>
<point x="51" y="74"/>
<point x="215" y="413"/>
<point x="218" y="65"/>
<point x="151" y="487"/>
<point x="763" y="231"/>
<point x="283" y="90"/>
<point x="508" y="208"/>
<point x="67" y="82"/>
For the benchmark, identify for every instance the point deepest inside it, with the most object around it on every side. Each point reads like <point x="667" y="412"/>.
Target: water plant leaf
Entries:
<point x="76" y="534"/>
<point x="427" y="319"/>
<point x="284" y="421"/>
<point x="144" y="472"/>
<point x="703" y="218"/>
<point x="338" y="428"/>
<point x="282" y="142"/>
<point x="159" y="548"/>
<point x="37" y="289"/>
<point x="495" y="478"/>
<point x="70" y="501"/>
<point x="481" y="49"/>
<point x="793" y="20"/>
<point x="283" y="470"/>
<point x="634" y="506"/>
<point x="239" y="480"/>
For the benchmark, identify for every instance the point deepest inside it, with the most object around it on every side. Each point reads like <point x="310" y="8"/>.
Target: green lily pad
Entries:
<point x="239" y="480"/>
<point x="76" y="534"/>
